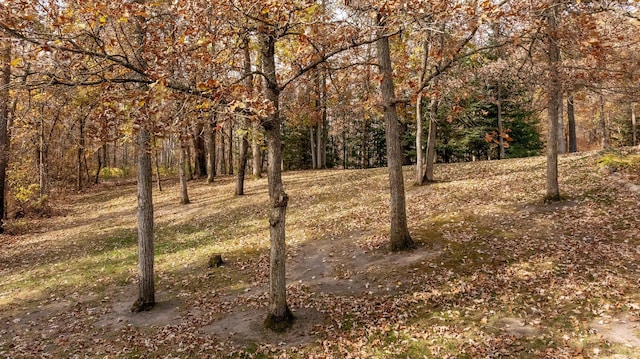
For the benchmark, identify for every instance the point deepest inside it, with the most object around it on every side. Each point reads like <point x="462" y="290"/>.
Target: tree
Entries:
<point x="554" y="94"/>
<point x="279" y="316"/>
<point x="5" y="81"/>
<point x="146" y="285"/>
<point x="571" y="119"/>
<point x="244" y="130"/>
<point x="400" y="238"/>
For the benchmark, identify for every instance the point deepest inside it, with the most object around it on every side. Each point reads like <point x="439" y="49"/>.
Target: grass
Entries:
<point x="489" y="252"/>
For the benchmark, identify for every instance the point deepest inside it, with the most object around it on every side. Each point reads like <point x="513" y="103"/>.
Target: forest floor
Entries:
<point x="496" y="272"/>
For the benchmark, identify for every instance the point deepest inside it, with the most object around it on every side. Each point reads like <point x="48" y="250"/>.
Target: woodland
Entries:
<point x="319" y="178"/>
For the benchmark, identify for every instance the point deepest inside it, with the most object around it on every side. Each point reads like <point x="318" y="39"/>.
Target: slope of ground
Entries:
<point x="496" y="273"/>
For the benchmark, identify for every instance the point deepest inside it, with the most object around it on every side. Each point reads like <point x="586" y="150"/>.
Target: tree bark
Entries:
<point x="81" y="148"/>
<point x="571" y="118"/>
<point x="400" y="238"/>
<point x="419" y="130"/>
<point x="501" y="154"/>
<point x="230" y="153"/>
<point x="100" y="164"/>
<point x="200" y="151"/>
<point x="313" y="148"/>
<point x="184" y="194"/>
<point x="634" y="124"/>
<point x="244" y="131"/>
<point x="279" y="316"/>
<point x="157" y="162"/>
<point x="430" y="156"/>
<point x="221" y="157"/>
<point x="604" y="140"/>
<point x="323" y="119"/>
<point x="211" y="147"/>
<point x="5" y="79"/>
<point x="554" y="93"/>
<point x="419" y="119"/>
<point x="562" y="143"/>
<point x="146" y="286"/>
<point x="256" y="149"/>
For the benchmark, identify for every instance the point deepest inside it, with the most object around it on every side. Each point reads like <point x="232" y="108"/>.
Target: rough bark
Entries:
<point x="419" y="130"/>
<point x="81" y="147"/>
<point x="5" y="79"/>
<point x="419" y="119"/>
<point x="323" y="120"/>
<point x="146" y="286"/>
<point x="554" y="95"/>
<point x="501" y="154"/>
<point x="562" y="143"/>
<point x="430" y="156"/>
<point x="184" y="194"/>
<point x="200" y="151"/>
<point x="634" y="124"/>
<point x="279" y="316"/>
<point x="571" y="119"/>
<point x="100" y="164"/>
<point x="230" y="152"/>
<point x="256" y="149"/>
<point x="244" y="131"/>
<point x="157" y="163"/>
<point x="400" y="238"/>
<point x="211" y="148"/>
<point x="604" y="139"/>
<point x="319" y="144"/>
<point x="221" y="158"/>
<point x="312" y="141"/>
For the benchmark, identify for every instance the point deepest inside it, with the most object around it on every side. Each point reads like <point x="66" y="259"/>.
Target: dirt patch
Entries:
<point x="517" y="327"/>
<point x="244" y="327"/>
<point x="622" y="329"/>
<point x="165" y="312"/>
<point x="335" y="268"/>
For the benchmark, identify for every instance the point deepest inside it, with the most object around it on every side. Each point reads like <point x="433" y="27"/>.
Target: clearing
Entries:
<point x="497" y="273"/>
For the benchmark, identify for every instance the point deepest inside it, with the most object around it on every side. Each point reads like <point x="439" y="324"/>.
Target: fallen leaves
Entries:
<point x="496" y="272"/>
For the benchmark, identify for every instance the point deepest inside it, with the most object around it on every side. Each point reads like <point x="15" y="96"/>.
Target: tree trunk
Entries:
<point x="42" y="161"/>
<point x="279" y="316"/>
<point x="220" y="152"/>
<point x="431" y="141"/>
<point x="5" y="79"/>
<point x="571" y="118"/>
<point x="256" y="149"/>
<point x="189" y="167"/>
<point x="501" y="154"/>
<point x="81" y="147"/>
<point x="200" y="151"/>
<point x="313" y="148"/>
<point x="554" y="93"/>
<point x="319" y="146"/>
<point x="184" y="194"/>
<point x="419" y="130"/>
<point x="100" y="163"/>
<point x="242" y="159"/>
<point x="211" y="147"/>
<point x="146" y="287"/>
<point x="244" y="132"/>
<point x="230" y="152"/>
<point x="157" y="161"/>
<point x="419" y="119"/>
<point x="562" y="143"/>
<point x="634" y="124"/>
<point x="323" y="120"/>
<point x="400" y="238"/>
<point x="604" y="140"/>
